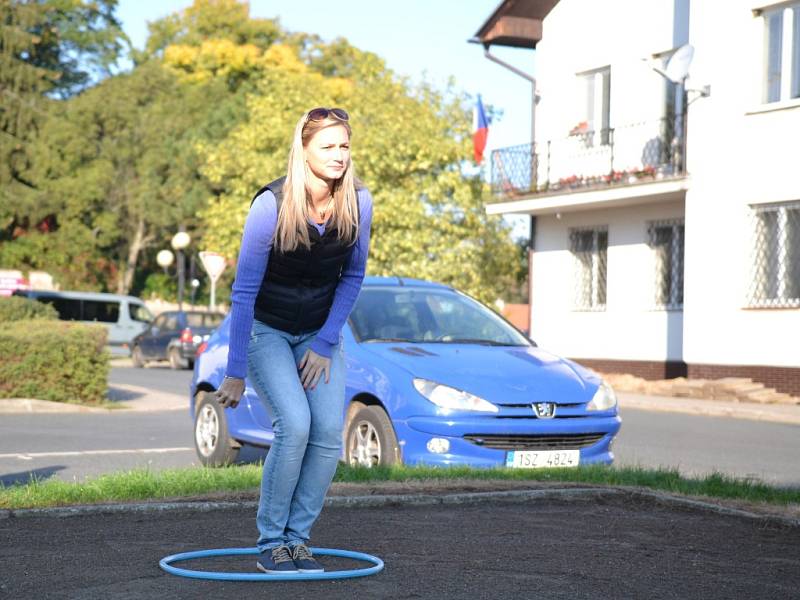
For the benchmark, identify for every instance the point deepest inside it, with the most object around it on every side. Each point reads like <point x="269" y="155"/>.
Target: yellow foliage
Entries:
<point x="285" y="57"/>
<point x="213" y="58"/>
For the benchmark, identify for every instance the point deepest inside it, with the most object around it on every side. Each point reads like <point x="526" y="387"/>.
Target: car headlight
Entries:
<point x="446" y="397"/>
<point x="604" y="398"/>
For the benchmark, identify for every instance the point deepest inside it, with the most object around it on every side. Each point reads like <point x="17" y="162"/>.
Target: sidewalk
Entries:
<point x="775" y="413"/>
<point x="126" y="398"/>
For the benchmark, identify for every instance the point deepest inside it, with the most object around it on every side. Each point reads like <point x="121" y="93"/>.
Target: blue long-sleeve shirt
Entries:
<point x="259" y="230"/>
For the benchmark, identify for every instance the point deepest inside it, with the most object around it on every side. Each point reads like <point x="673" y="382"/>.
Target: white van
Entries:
<point x="125" y="317"/>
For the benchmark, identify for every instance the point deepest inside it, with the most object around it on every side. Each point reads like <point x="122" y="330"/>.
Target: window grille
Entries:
<point x="589" y="246"/>
<point x="776" y="260"/>
<point x="666" y="239"/>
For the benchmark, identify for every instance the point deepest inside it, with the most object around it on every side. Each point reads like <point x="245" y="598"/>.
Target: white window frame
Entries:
<point x="598" y="132"/>
<point x="788" y="53"/>
<point x="598" y="279"/>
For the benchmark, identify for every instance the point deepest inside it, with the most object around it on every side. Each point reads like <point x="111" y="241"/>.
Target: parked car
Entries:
<point x="12" y="280"/>
<point x="433" y="377"/>
<point x="123" y="316"/>
<point x="174" y="336"/>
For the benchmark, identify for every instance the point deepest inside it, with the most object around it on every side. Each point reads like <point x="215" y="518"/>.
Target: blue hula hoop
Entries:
<point x="165" y="564"/>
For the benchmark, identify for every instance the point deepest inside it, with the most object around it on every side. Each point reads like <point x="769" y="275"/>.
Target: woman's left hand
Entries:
<point x="311" y="367"/>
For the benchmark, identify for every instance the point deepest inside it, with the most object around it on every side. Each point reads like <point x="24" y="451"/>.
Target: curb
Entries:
<point x="372" y="501"/>
<point x="31" y="406"/>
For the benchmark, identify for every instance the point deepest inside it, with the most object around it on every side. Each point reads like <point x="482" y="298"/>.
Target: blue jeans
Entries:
<point x="307" y="425"/>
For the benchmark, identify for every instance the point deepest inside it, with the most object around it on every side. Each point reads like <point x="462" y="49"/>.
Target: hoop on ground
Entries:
<point x="165" y="564"/>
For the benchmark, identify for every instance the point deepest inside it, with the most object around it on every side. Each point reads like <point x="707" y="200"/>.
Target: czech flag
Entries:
<point x="480" y="130"/>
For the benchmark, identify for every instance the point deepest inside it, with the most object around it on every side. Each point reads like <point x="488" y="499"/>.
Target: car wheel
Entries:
<point x="212" y="442"/>
<point x="176" y="361"/>
<point x="371" y="440"/>
<point x="136" y="357"/>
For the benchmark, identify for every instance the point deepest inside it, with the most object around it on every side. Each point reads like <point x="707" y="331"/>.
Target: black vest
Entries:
<point x="297" y="290"/>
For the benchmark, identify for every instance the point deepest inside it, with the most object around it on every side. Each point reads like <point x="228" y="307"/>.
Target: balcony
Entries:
<point x="591" y="160"/>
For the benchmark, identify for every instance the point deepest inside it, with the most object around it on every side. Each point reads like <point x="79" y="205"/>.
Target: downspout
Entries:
<point x="531" y="248"/>
<point x="534" y="100"/>
<point x="533" y="185"/>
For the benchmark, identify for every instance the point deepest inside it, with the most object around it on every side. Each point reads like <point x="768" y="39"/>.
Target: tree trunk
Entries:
<point x="138" y="243"/>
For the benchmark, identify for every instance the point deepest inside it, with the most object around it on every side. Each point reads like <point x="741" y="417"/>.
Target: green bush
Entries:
<point x="17" y="308"/>
<point x="60" y="361"/>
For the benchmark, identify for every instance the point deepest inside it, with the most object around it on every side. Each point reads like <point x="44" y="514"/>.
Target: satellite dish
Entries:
<point x="678" y="64"/>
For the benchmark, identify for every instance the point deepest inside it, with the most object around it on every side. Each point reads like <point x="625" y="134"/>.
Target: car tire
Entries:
<point x="212" y="442"/>
<point x="176" y="361"/>
<point x="136" y="357"/>
<point x="370" y="439"/>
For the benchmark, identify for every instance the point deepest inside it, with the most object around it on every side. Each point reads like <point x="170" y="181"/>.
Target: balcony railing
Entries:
<point x="598" y="159"/>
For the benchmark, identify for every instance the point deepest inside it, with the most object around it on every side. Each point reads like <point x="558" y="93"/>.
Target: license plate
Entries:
<point x="545" y="459"/>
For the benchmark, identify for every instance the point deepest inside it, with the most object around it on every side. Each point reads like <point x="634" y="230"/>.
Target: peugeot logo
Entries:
<point x="544" y="410"/>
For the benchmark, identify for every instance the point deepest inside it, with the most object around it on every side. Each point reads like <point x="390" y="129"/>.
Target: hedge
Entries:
<point x="60" y="361"/>
<point x="17" y="308"/>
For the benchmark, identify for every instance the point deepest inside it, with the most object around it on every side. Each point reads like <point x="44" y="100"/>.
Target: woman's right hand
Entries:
<point x="230" y="392"/>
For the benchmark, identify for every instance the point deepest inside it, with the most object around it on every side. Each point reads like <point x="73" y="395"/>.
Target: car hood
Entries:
<point x="500" y="374"/>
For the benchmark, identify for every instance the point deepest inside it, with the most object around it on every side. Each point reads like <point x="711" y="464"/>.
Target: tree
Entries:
<point x="48" y="49"/>
<point x="206" y="20"/>
<point x="408" y="145"/>
<point x="206" y="118"/>
<point x="120" y="163"/>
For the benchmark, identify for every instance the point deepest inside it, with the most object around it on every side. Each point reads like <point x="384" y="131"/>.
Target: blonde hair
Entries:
<point x="292" y="229"/>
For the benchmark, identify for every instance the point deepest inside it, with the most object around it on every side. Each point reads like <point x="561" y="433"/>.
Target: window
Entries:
<point x="781" y="78"/>
<point x="139" y="312"/>
<point x="665" y="238"/>
<point x="776" y="265"/>
<point x="597" y="105"/>
<point x="170" y="322"/>
<point x="590" y="249"/>
<point x="428" y="315"/>
<point x="102" y="312"/>
<point x="68" y="309"/>
<point x="670" y="148"/>
<point x="212" y="320"/>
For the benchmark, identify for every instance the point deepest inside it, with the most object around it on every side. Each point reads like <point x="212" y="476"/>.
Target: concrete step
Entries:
<point x="726" y="381"/>
<point x="765" y="396"/>
<point x="736" y="388"/>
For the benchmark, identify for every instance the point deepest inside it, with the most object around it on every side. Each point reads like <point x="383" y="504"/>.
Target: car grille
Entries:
<point x="535" y="442"/>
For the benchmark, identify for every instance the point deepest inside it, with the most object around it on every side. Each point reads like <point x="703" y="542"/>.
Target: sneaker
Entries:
<point x="276" y="560"/>
<point x="304" y="560"/>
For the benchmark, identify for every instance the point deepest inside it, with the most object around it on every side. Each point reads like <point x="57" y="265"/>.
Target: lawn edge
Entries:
<point x="592" y="492"/>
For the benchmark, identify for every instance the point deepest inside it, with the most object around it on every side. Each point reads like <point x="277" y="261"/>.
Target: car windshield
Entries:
<point x="429" y="315"/>
<point x="209" y="320"/>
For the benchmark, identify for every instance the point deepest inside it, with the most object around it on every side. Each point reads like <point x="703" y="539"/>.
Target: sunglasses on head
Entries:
<point x="320" y="114"/>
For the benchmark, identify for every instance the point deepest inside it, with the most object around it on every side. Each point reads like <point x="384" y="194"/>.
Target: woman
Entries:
<point x="301" y="265"/>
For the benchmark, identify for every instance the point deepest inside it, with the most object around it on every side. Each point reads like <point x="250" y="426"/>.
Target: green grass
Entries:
<point x="144" y="484"/>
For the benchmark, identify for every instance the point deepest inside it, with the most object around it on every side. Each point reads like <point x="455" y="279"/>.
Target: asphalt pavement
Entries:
<point x="592" y="545"/>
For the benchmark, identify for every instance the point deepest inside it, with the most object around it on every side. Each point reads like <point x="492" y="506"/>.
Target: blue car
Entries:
<point x="434" y="377"/>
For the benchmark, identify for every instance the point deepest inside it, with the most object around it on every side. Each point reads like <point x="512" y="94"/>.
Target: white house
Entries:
<point x="667" y="222"/>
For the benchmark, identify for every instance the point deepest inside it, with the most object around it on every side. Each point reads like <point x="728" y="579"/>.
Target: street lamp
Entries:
<point x="164" y="259"/>
<point x="179" y="241"/>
